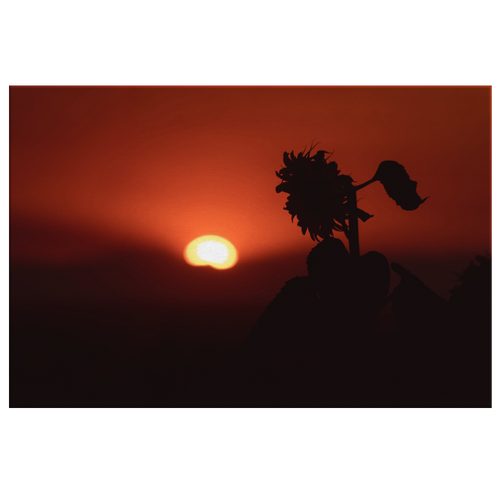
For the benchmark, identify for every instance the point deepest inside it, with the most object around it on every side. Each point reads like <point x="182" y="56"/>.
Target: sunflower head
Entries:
<point x="317" y="193"/>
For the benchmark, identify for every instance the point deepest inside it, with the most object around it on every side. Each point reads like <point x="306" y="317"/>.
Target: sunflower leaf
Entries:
<point x="364" y="216"/>
<point x="398" y="185"/>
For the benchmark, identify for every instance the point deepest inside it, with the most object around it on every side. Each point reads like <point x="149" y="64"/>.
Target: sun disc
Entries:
<point x="211" y="250"/>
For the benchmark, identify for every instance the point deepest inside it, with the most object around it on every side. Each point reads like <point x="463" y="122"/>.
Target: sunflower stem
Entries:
<point x="361" y="186"/>
<point x="352" y="206"/>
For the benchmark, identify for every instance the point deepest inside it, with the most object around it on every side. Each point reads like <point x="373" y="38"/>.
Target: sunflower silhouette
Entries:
<point x="317" y="194"/>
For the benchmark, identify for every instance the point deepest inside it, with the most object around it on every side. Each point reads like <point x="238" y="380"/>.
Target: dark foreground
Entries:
<point x="297" y="355"/>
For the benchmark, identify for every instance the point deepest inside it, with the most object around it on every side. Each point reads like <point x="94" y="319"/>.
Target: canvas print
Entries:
<point x="194" y="247"/>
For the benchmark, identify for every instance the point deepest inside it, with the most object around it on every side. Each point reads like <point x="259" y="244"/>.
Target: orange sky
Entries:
<point x="166" y="165"/>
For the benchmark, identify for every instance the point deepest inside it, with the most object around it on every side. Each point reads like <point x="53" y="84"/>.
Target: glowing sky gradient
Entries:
<point x="166" y="165"/>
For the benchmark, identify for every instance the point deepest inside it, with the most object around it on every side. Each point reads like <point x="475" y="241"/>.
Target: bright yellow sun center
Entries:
<point x="211" y="250"/>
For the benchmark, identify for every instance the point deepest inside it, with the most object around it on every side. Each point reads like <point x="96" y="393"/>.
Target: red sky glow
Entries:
<point x="164" y="165"/>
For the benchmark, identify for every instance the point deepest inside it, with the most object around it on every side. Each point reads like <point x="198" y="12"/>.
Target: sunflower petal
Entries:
<point x="287" y="161"/>
<point x="288" y="187"/>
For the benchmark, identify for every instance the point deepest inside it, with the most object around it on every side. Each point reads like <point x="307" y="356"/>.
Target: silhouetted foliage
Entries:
<point x="324" y="201"/>
<point x="398" y="185"/>
<point x="311" y="333"/>
<point x="473" y="295"/>
<point x="349" y="285"/>
<point x="416" y="306"/>
<point x="340" y="293"/>
<point x="315" y="345"/>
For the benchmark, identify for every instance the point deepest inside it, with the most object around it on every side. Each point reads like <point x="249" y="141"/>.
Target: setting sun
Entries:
<point x="211" y="250"/>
